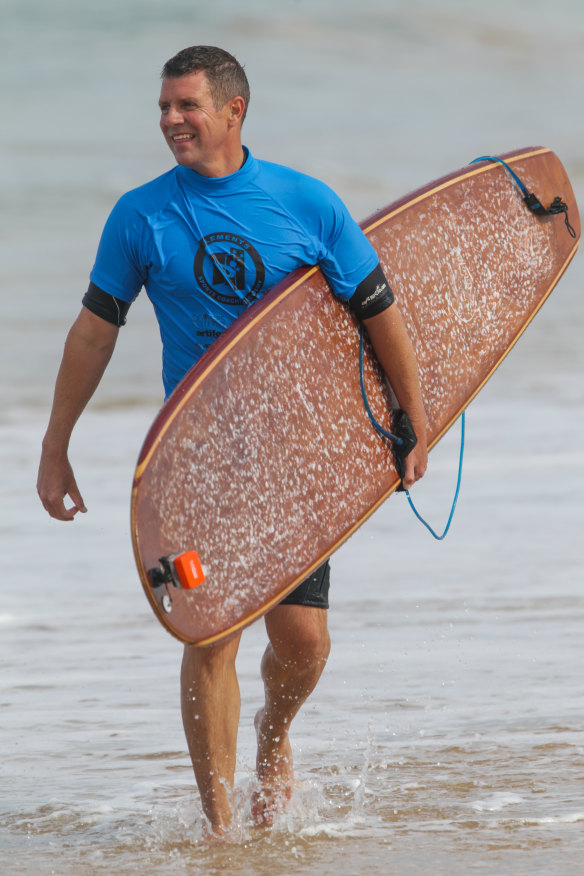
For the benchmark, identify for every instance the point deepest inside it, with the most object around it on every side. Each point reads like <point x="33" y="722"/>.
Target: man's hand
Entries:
<point x="56" y="481"/>
<point x="416" y="461"/>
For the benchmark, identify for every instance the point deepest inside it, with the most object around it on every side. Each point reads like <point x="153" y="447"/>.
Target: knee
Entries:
<point x="313" y="645"/>
<point x="302" y="640"/>
<point x="208" y="662"/>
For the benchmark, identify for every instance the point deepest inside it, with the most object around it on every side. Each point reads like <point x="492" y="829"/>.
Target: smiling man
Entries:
<point x="205" y="240"/>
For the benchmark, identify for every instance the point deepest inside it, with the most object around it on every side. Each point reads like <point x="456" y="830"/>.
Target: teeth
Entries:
<point x="182" y="137"/>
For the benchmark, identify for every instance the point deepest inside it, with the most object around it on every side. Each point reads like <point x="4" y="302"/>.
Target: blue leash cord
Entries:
<point x="520" y="185"/>
<point x="377" y="426"/>
<point x="457" y="491"/>
<point x="397" y="441"/>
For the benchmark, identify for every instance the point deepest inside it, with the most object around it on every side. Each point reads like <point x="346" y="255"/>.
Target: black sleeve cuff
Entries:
<point x="106" y="306"/>
<point x="372" y="295"/>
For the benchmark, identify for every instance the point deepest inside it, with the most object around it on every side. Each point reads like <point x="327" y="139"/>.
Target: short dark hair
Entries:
<point x="225" y="75"/>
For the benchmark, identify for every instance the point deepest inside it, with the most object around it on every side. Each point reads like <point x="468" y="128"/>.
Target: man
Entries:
<point x="205" y="240"/>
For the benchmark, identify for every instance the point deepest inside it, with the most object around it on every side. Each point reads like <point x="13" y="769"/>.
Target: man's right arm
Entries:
<point x="88" y="349"/>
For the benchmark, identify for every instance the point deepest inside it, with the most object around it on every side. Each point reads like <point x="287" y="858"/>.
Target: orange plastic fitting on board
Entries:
<point x="189" y="569"/>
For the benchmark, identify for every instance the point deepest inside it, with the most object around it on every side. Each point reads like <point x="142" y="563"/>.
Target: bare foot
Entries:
<point x="219" y="835"/>
<point x="275" y="773"/>
<point x="212" y="835"/>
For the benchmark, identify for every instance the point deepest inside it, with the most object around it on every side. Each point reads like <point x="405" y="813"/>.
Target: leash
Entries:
<point x="403" y="440"/>
<point x="530" y="199"/>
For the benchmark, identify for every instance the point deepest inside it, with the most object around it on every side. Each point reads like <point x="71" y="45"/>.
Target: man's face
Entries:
<point x="198" y="134"/>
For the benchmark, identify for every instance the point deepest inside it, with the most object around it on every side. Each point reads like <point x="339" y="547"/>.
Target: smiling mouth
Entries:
<point x="178" y="138"/>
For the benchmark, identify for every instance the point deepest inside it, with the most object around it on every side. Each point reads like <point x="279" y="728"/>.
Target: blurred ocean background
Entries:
<point x="446" y="733"/>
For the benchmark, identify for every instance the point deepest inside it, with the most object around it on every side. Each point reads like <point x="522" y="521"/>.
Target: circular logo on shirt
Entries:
<point x="229" y="269"/>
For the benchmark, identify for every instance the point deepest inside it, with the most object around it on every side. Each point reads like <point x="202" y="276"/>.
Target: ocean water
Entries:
<point x="446" y="733"/>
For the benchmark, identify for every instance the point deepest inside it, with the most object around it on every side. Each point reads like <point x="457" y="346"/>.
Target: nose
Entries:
<point x="173" y="116"/>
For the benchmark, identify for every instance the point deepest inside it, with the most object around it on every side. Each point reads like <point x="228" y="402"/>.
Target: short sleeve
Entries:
<point x="121" y="265"/>
<point x="348" y="256"/>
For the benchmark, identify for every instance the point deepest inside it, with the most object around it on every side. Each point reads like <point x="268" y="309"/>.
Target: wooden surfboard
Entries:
<point x="263" y="460"/>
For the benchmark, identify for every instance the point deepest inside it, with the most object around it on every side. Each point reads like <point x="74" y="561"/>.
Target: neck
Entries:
<point x="223" y="165"/>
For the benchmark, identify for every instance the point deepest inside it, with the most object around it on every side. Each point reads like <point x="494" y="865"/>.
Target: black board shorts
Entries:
<point x="313" y="591"/>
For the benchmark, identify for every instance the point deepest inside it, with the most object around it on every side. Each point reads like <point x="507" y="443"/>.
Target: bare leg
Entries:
<point x="291" y="667"/>
<point x="210" y="709"/>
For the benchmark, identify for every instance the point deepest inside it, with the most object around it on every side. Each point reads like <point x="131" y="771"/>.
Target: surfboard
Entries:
<point x="263" y="460"/>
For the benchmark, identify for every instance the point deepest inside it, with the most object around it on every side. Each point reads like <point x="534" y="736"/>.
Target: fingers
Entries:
<point x="415" y="467"/>
<point x="55" y="506"/>
<point x="409" y="478"/>
<point x="77" y="499"/>
<point x="55" y="483"/>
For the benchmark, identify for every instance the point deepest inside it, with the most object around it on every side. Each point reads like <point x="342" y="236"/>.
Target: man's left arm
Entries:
<point x="396" y="355"/>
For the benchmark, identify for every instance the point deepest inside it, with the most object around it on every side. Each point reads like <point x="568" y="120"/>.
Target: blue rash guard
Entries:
<point x="205" y="248"/>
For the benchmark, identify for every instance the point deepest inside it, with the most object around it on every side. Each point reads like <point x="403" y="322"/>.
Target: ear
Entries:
<point x="236" y="111"/>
